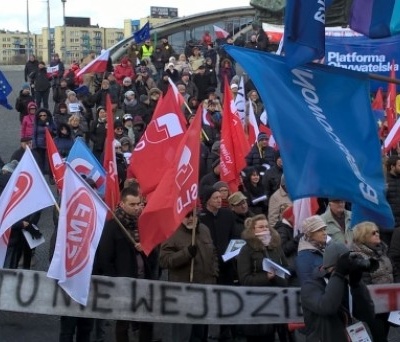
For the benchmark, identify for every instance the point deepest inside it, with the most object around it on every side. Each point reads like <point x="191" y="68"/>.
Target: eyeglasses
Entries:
<point x="375" y="232"/>
<point x="240" y="203"/>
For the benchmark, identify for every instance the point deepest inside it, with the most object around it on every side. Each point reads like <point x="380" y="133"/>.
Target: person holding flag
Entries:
<point x="120" y="254"/>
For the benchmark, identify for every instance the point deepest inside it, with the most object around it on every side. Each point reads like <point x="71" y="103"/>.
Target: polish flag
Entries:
<point x="20" y="196"/>
<point x="206" y="117"/>
<point x="56" y="163"/>
<point x="220" y="33"/>
<point x="303" y="208"/>
<point x="99" y="64"/>
<point x="252" y="128"/>
<point x="393" y="137"/>
<point x="80" y="224"/>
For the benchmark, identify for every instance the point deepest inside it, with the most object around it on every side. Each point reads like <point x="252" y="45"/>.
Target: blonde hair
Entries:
<point x="362" y="231"/>
<point x="250" y="224"/>
<point x="73" y="118"/>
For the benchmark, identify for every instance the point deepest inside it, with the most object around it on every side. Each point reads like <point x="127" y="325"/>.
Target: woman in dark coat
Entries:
<point x="262" y="242"/>
<point x="255" y="191"/>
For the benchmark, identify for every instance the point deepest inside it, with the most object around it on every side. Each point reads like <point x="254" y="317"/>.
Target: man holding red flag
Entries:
<point x="176" y="194"/>
<point x="234" y="145"/>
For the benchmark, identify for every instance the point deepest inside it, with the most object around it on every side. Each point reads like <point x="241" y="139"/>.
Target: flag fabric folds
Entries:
<point x="99" y="64"/>
<point x="80" y="224"/>
<point x="176" y="195"/>
<point x="220" y="33"/>
<point x="240" y="101"/>
<point x="56" y="163"/>
<point x="391" y="100"/>
<point x="322" y="157"/>
<point x="375" y="18"/>
<point x="393" y="137"/>
<point x="20" y="196"/>
<point x="252" y="126"/>
<point x="85" y="163"/>
<point x="303" y="208"/>
<point x="157" y="146"/>
<point x="304" y="35"/>
<point x="112" y="195"/>
<point x="5" y="90"/>
<point x="142" y="34"/>
<point x="234" y="145"/>
<point x="377" y="103"/>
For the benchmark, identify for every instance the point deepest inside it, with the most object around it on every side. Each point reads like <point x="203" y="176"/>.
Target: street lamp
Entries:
<point x="49" y="34"/>
<point x="65" y="31"/>
<point x="28" y="37"/>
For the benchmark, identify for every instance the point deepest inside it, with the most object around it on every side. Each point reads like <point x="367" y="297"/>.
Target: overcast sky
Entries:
<point x="112" y="13"/>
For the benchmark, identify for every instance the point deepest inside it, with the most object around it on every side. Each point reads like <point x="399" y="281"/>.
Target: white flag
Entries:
<point x="25" y="193"/>
<point x="80" y="224"/>
<point x="240" y="102"/>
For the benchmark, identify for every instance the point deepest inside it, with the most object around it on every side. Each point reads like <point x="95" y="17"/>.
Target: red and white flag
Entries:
<point x="177" y="193"/>
<point x="25" y="193"/>
<point x="303" y="208"/>
<point x="393" y="137"/>
<point x="112" y="195"/>
<point x="80" y="225"/>
<point x="252" y="127"/>
<point x="240" y="102"/>
<point x="4" y="239"/>
<point x="56" y="163"/>
<point x="206" y="117"/>
<point x="234" y="145"/>
<point x="220" y="33"/>
<point x="99" y="64"/>
<point x="158" y="144"/>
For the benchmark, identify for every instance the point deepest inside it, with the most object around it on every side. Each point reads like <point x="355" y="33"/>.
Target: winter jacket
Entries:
<point x="22" y="101"/>
<point x="309" y="258"/>
<point x="175" y="257"/>
<point x="27" y="126"/>
<point x="278" y="198"/>
<point x="257" y="157"/>
<point x="40" y="80"/>
<point x="98" y="133"/>
<point x="123" y="70"/>
<point x="334" y="230"/>
<point x="39" y="131"/>
<point x="325" y="307"/>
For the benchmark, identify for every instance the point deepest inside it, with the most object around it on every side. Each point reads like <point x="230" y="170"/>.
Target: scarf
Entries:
<point x="129" y="222"/>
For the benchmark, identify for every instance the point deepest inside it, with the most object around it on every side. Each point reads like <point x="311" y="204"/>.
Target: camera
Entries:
<point x="360" y="263"/>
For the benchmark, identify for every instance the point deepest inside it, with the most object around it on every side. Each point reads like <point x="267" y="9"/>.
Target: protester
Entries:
<point x="367" y="244"/>
<point x="262" y="241"/>
<point x="325" y="301"/>
<point x="240" y="209"/>
<point x="261" y="154"/>
<point x="278" y="198"/>
<point x="42" y="85"/>
<point x="120" y="256"/>
<point x="254" y="191"/>
<point x="338" y="221"/>
<point x="17" y="154"/>
<point x="28" y="122"/>
<point x="22" y="101"/>
<point x="311" y="247"/>
<point x="190" y="261"/>
<point x="392" y="193"/>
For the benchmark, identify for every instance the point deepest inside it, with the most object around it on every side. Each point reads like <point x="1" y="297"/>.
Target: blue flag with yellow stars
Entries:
<point x="5" y="90"/>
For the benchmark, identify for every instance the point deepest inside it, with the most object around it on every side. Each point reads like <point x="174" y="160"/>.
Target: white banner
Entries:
<point x="165" y="302"/>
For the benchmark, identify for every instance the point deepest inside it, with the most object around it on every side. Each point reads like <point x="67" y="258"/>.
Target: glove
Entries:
<point x="35" y="233"/>
<point x="343" y="265"/>
<point x="192" y="249"/>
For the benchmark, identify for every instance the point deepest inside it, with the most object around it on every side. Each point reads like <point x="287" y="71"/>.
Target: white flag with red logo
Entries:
<point x="3" y="246"/>
<point x="176" y="195"/>
<point x="99" y="64"/>
<point x="25" y="193"/>
<point x="252" y="127"/>
<point x="220" y="33"/>
<point x="80" y="224"/>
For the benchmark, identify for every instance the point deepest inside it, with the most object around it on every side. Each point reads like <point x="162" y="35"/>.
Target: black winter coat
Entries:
<point x="256" y="157"/>
<point x="393" y="197"/>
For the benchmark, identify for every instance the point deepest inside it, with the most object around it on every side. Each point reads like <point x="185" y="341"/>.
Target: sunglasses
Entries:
<point x="375" y="232"/>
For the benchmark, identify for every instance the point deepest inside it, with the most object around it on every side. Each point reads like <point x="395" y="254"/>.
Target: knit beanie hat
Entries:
<point x="332" y="253"/>
<point x="207" y="193"/>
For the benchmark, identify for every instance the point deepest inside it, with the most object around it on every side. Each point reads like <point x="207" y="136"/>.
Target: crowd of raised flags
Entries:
<point x="327" y="153"/>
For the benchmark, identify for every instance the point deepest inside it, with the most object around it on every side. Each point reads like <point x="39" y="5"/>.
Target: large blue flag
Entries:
<point x="85" y="163"/>
<point x="322" y="120"/>
<point x="143" y="34"/>
<point x="304" y="35"/>
<point x="5" y="90"/>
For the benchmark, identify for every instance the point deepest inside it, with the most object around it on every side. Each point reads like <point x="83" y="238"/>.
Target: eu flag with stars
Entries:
<point x="315" y="113"/>
<point x="5" y="90"/>
<point x="143" y="34"/>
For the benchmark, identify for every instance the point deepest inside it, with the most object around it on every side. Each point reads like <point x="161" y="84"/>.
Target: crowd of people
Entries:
<point x="324" y="257"/>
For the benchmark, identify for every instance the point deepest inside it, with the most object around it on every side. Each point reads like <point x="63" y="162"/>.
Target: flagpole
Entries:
<point x="193" y="242"/>
<point x="202" y="130"/>
<point x="384" y="78"/>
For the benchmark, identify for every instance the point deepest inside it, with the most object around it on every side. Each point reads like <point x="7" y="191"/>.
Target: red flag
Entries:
<point x="220" y="33"/>
<point x="178" y="96"/>
<point x="56" y="164"/>
<point x="110" y="163"/>
<point x="377" y="103"/>
<point x="158" y="145"/>
<point x="99" y="64"/>
<point x="391" y="100"/>
<point x="252" y="127"/>
<point x="176" y="194"/>
<point x="234" y="145"/>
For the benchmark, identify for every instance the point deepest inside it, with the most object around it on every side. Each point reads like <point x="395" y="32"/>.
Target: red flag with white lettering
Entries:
<point x="56" y="164"/>
<point x="177" y="193"/>
<point x="158" y="145"/>
<point x="25" y="193"/>
<point x="80" y="224"/>
<point x="110" y="164"/>
<point x="234" y="145"/>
